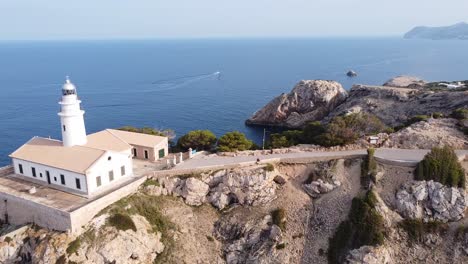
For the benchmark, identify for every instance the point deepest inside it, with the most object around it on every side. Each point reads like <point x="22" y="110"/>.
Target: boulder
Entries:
<point x="431" y="201"/>
<point x="195" y="191"/>
<point x="308" y="101"/>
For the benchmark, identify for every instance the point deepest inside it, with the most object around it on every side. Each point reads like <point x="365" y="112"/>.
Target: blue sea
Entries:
<point x="175" y="84"/>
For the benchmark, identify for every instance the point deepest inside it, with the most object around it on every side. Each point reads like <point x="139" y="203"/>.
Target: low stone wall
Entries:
<point x="82" y="215"/>
<point x="6" y="170"/>
<point x="21" y="211"/>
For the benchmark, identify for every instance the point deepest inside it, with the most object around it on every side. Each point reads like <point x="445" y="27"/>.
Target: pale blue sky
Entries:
<point x="81" y="19"/>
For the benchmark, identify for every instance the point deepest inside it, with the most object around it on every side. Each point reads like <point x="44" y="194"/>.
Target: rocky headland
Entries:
<point x="394" y="103"/>
<point x="308" y="100"/>
<point x="457" y="31"/>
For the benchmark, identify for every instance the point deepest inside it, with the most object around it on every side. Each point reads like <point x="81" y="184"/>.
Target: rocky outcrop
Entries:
<point x="315" y="188"/>
<point x="429" y="134"/>
<point x="369" y="255"/>
<point x="243" y="186"/>
<point x="254" y="241"/>
<point x="431" y="201"/>
<point x="406" y="82"/>
<point x="394" y="106"/>
<point x="308" y="101"/>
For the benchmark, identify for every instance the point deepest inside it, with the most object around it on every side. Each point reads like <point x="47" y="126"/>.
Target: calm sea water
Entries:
<point x="172" y="83"/>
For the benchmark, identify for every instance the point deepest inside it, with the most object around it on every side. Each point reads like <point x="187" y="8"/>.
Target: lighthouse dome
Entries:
<point x="68" y="87"/>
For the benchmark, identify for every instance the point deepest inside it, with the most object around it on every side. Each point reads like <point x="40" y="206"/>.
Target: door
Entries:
<point x="48" y="177"/>
<point x="161" y="153"/>
<point x="134" y="152"/>
<point x="146" y="154"/>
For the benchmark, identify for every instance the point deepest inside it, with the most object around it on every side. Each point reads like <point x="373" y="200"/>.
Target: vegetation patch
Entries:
<point x="369" y="168"/>
<point x="460" y="113"/>
<point x="150" y="182"/>
<point x="415" y="119"/>
<point x="441" y="165"/>
<point x="234" y="141"/>
<point x="122" y="222"/>
<point x="280" y="246"/>
<point x="61" y="260"/>
<point x="365" y="226"/>
<point x="417" y="229"/>
<point x="7" y="239"/>
<point x="278" y="217"/>
<point x="269" y="167"/>
<point x="341" y="130"/>
<point x="73" y="246"/>
<point x="210" y="238"/>
<point x="197" y="139"/>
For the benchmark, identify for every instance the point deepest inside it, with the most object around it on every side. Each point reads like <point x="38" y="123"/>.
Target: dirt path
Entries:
<point x="329" y="211"/>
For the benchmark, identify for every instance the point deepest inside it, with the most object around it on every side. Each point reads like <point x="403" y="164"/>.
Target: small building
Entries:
<point x="84" y="164"/>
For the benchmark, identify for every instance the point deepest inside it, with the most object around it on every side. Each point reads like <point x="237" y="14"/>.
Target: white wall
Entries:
<point x="103" y="166"/>
<point x="54" y="175"/>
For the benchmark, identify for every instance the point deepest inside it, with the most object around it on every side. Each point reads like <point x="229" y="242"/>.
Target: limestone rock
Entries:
<point x="404" y="81"/>
<point x="153" y="190"/>
<point x="195" y="191"/>
<point x="252" y="241"/>
<point x="308" y="101"/>
<point x="431" y="201"/>
<point x="429" y="134"/>
<point x="369" y="255"/>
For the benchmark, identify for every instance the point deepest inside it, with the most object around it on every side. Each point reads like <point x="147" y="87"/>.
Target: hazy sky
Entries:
<point x="59" y="19"/>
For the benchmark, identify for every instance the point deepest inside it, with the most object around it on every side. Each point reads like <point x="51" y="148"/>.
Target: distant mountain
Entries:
<point x="457" y="31"/>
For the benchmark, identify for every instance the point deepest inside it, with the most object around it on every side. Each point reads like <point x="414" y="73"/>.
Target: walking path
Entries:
<point x="409" y="156"/>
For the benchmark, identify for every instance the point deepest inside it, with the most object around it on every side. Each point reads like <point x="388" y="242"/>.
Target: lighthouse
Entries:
<point x="71" y="117"/>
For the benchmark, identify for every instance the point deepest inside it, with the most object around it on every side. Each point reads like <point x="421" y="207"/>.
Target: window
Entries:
<point x="111" y="176"/>
<point x="55" y="179"/>
<point x="122" y="170"/>
<point x="64" y="128"/>
<point x="109" y="158"/>
<point x="33" y="171"/>
<point x="40" y="174"/>
<point x="62" y="179"/>
<point x="78" y="183"/>
<point x="146" y="154"/>
<point x="98" y="181"/>
<point x="20" y="168"/>
<point x="134" y="152"/>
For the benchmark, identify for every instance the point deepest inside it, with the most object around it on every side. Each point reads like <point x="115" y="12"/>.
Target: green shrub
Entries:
<point x="150" y="182"/>
<point x="149" y="131"/>
<point x="234" y="141"/>
<point x="343" y="130"/>
<point x="61" y="260"/>
<point x="311" y="131"/>
<point x="7" y="239"/>
<point x="269" y="167"/>
<point x="197" y="139"/>
<point x="460" y="113"/>
<point x="365" y="226"/>
<point x="210" y="238"/>
<point x="417" y="229"/>
<point x="280" y="246"/>
<point x="368" y="168"/>
<point x="73" y="246"/>
<point x="122" y="222"/>
<point x="279" y="218"/>
<point x="437" y="115"/>
<point x="441" y="165"/>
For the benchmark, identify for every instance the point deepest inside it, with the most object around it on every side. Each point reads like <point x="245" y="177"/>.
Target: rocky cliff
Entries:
<point x="323" y="100"/>
<point x="309" y="100"/>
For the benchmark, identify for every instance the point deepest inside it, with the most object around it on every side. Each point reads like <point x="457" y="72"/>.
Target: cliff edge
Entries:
<point x="308" y="100"/>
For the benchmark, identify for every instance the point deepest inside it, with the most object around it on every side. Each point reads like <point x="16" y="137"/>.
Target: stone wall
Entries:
<point x="21" y="211"/>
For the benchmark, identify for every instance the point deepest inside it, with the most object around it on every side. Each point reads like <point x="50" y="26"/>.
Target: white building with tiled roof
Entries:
<point x="84" y="164"/>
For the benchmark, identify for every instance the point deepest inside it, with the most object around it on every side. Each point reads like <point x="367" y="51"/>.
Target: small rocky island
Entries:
<point x="457" y="31"/>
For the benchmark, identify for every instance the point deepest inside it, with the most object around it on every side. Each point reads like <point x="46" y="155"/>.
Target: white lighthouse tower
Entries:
<point x="71" y="117"/>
